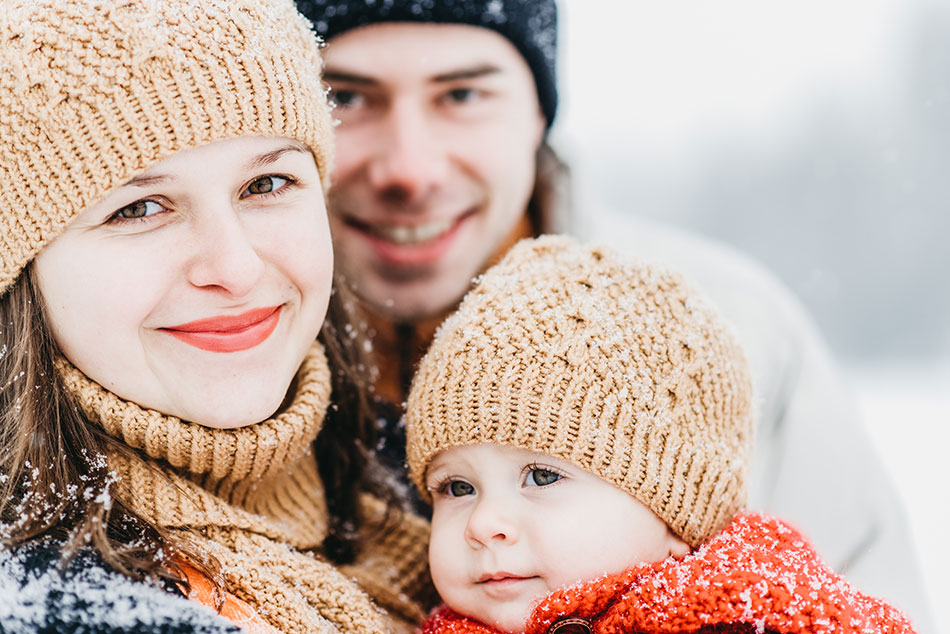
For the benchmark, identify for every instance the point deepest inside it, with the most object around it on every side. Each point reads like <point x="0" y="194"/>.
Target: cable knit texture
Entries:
<point x="252" y="497"/>
<point x="757" y="575"/>
<point x="614" y="365"/>
<point x="93" y="92"/>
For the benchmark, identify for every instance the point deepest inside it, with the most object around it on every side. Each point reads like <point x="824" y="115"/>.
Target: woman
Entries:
<point x="165" y="267"/>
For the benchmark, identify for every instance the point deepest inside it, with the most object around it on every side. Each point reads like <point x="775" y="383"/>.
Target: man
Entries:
<point x="442" y="165"/>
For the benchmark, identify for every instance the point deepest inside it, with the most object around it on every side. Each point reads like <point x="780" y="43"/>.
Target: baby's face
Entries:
<point x="509" y="526"/>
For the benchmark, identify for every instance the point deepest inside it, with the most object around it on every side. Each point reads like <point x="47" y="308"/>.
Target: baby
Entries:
<point x="582" y="427"/>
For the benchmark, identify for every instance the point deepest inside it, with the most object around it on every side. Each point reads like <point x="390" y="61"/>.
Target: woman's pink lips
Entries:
<point x="228" y="333"/>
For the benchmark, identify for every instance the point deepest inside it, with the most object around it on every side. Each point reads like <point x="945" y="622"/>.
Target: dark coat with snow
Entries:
<point x="87" y="597"/>
<point x="757" y="575"/>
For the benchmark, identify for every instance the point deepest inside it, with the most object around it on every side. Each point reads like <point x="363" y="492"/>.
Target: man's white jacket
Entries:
<point x="814" y="463"/>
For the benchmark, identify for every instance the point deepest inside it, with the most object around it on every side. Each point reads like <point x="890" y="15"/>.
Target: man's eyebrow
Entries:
<point x="473" y="72"/>
<point x="329" y="74"/>
<point x="265" y="159"/>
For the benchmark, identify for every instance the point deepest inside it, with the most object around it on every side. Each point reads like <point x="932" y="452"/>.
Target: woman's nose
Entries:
<point x="224" y="255"/>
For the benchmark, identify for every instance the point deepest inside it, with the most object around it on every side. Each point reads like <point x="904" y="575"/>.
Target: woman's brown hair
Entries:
<point x="54" y="477"/>
<point x="345" y="446"/>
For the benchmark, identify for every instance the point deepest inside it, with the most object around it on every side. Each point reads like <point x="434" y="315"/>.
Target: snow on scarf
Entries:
<point x="758" y="574"/>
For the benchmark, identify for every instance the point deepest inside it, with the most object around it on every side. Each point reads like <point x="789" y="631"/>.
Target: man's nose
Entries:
<point x="492" y="522"/>
<point x="224" y="256"/>
<point x="411" y="160"/>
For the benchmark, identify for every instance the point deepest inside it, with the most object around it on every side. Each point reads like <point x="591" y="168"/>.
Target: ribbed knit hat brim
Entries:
<point x="93" y="92"/>
<point x="617" y="367"/>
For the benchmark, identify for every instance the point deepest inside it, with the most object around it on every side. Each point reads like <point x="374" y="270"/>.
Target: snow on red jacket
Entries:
<point x="757" y="575"/>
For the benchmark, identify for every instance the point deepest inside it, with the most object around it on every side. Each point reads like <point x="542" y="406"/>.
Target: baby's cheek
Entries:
<point x="446" y="561"/>
<point x="446" y="586"/>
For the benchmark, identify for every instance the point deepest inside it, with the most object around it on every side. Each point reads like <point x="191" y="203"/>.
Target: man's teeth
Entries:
<point x="401" y="234"/>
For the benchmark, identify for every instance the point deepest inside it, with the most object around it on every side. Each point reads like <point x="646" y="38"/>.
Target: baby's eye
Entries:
<point x="138" y="209"/>
<point x="265" y="185"/>
<point x="459" y="488"/>
<point x="542" y="477"/>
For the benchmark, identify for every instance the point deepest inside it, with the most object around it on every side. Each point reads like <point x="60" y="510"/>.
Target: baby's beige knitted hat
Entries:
<point x="93" y="92"/>
<point x="618" y="367"/>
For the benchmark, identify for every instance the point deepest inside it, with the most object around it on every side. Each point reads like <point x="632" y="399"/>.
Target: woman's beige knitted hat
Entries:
<point x="618" y="367"/>
<point x="93" y="92"/>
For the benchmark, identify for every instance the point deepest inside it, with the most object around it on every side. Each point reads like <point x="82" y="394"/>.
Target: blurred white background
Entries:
<point x="815" y="136"/>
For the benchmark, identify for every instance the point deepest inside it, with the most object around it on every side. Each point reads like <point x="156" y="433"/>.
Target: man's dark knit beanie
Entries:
<point x="531" y="25"/>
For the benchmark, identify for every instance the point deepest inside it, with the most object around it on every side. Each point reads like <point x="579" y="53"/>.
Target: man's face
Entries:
<point x="439" y="126"/>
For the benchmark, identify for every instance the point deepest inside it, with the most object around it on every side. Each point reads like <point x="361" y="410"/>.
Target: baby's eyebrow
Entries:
<point x="435" y="475"/>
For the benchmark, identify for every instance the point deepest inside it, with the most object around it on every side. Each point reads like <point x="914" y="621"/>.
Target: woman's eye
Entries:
<point x="138" y="209"/>
<point x="264" y="185"/>
<point x="542" y="477"/>
<point x="458" y="488"/>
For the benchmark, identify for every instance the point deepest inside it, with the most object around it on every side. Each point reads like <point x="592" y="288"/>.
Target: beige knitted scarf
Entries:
<point x="252" y="497"/>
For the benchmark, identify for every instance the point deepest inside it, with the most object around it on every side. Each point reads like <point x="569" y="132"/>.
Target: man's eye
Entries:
<point x="265" y="185"/>
<point x="345" y="98"/>
<point x="542" y="477"/>
<point x="458" y="488"/>
<point x="461" y="95"/>
<point x="138" y="209"/>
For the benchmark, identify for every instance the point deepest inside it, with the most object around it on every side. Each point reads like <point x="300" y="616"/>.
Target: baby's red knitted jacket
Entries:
<point x="757" y="575"/>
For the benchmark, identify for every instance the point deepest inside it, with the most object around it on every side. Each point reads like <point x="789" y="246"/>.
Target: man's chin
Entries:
<point x="419" y="304"/>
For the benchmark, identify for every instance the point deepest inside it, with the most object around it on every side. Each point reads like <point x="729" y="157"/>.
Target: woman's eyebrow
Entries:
<point x="146" y="180"/>
<point x="267" y="158"/>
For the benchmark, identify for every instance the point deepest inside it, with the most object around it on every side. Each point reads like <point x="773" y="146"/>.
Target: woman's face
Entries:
<point x="197" y="288"/>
